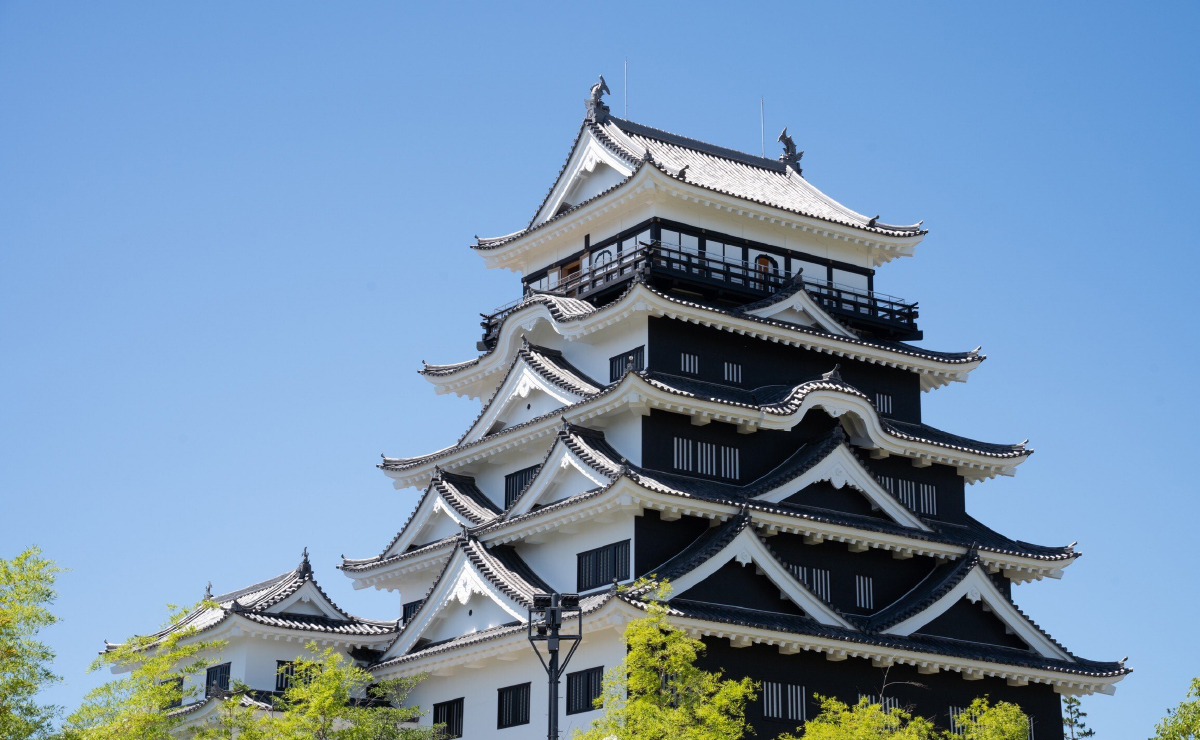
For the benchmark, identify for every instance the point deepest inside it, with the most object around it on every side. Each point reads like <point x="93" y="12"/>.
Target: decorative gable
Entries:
<point x="564" y="474"/>
<point x="798" y="307"/>
<point x="591" y="169"/>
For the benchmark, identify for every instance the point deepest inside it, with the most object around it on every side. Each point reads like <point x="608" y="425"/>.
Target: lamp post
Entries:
<point x="552" y="609"/>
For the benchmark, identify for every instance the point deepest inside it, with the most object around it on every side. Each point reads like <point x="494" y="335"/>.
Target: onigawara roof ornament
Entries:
<point x="597" y="109"/>
<point x="790" y="156"/>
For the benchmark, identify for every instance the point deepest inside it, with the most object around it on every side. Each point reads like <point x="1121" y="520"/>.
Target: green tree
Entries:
<point x="26" y="591"/>
<point x="984" y="721"/>
<point x="657" y="692"/>
<point x="238" y="718"/>
<point x="157" y="668"/>
<point x="1182" y="722"/>
<point x="330" y="698"/>
<point x="1074" y="726"/>
<point x="864" y="721"/>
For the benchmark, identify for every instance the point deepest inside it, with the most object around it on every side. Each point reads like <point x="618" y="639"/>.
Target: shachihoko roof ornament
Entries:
<point x="597" y="109"/>
<point x="790" y="156"/>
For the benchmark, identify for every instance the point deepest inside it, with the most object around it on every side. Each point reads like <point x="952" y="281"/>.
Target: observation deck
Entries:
<point x="724" y="283"/>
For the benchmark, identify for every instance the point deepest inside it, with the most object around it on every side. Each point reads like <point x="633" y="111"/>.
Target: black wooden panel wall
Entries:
<point x="766" y="363"/>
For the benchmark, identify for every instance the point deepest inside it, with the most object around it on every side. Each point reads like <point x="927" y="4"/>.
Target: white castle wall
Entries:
<point x="554" y="560"/>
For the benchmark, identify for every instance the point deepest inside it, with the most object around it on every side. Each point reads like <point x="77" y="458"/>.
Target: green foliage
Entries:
<point x="235" y="718"/>
<point x="657" y="692"/>
<point x="999" y="721"/>
<point x="330" y="698"/>
<point x="1074" y="726"/>
<point x="26" y="591"/>
<point x="1182" y="722"/>
<point x="864" y="721"/>
<point x="136" y="706"/>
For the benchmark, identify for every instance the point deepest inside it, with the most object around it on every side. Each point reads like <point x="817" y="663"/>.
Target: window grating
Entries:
<point x="707" y="458"/>
<point x="689" y="363"/>
<point x="602" y="566"/>
<point x="864" y="592"/>
<point x="883" y="403"/>
<point x="410" y="609"/>
<point x="817" y="579"/>
<point x="216" y="679"/>
<point x="888" y="703"/>
<point x="177" y="701"/>
<point x="512" y="706"/>
<point x="450" y="714"/>
<point x="785" y="701"/>
<point x="285" y="674"/>
<point x="619" y="364"/>
<point x="733" y="372"/>
<point x="514" y="483"/>
<point x="583" y="689"/>
<point x="920" y="497"/>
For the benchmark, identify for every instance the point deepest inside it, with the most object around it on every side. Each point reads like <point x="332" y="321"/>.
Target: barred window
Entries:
<point x="450" y="714"/>
<point x="410" y="609"/>
<point x="888" y="703"/>
<point x="817" y="579"/>
<point x="689" y="363"/>
<point x="514" y="483"/>
<point x="957" y="726"/>
<point x="177" y="700"/>
<point x="285" y="675"/>
<point x="512" y="706"/>
<point x="883" y="402"/>
<point x="602" y="566"/>
<point x="785" y="701"/>
<point x="920" y="497"/>
<point x="619" y="364"/>
<point x="733" y="372"/>
<point x="583" y="689"/>
<point x="707" y="458"/>
<point x="864" y="592"/>
<point x="216" y="679"/>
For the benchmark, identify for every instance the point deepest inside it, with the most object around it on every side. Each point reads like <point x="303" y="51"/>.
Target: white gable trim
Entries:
<point x="747" y="548"/>
<point x="975" y="587"/>
<point x="519" y="384"/>
<point x="561" y="460"/>
<point x="802" y="302"/>
<point x="841" y="468"/>
<point x="308" y="594"/>
<point x="588" y="153"/>
<point x="433" y="505"/>
<point x="459" y="582"/>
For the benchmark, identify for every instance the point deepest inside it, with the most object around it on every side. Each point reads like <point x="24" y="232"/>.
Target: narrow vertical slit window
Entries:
<point x="450" y="714"/>
<point x="689" y="364"/>
<point x="733" y="372"/>
<point x="883" y="402"/>
<point x="817" y="579"/>
<point x="583" y="689"/>
<point x="864" y="592"/>
<point x="285" y="674"/>
<point x="707" y="458"/>
<point x="957" y="725"/>
<point x="784" y="701"/>
<point x="512" y="706"/>
<point x="634" y="358"/>
<point x="683" y="454"/>
<point x="928" y="498"/>
<point x="887" y="703"/>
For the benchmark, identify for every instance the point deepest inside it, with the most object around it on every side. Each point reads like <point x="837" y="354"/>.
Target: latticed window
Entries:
<point x="512" y="706"/>
<point x="817" y="579"/>
<point x="177" y="700"/>
<point x="783" y="701"/>
<point x="888" y="703"/>
<point x="864" y="592"/>
<point x="689" y="363"/>
<point x="285" y="675"/>
<point x="920" y="497"/>
<point x="410" y="610"/>
<point x="450" y="714"/>
<point x="733" y="372"/>
<point x="603" y="565"/>
<point x="583" y="689"/>
<point x="216" y="679"/>
<point x="514" y="483"/>
<point x="883" y="402"/>
<point x="617" y="366"/>
<point x="707" y="458"/>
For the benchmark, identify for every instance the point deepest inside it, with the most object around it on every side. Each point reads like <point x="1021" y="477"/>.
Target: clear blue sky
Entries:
<point x="229" y="233"/>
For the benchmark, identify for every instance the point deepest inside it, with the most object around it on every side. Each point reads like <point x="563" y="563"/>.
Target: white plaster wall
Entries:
<point x="623" y="430"/>
<point x="591" y="353"/>
<point x="489" y="474"/>
<point x="536" y="403"/>
<point x="554" y="560"/>
<point x="456" y="619"/>
<point x="439" y="525"/>
<point x="593" y="183"/>
<point x="478" y="687"/>
<point x="567" y="482"/>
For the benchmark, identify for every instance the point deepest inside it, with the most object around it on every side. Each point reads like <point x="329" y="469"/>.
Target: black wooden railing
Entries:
<point x="737" y="276"/>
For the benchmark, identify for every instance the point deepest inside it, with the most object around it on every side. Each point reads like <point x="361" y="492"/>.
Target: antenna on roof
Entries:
<point x="626" y="89"/>
<point x="762" y="129"/>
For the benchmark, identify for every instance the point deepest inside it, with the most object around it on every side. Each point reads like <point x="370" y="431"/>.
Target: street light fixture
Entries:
<point x="551" y="610"/>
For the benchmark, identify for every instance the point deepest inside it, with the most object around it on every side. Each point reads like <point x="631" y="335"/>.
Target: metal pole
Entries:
<point x="552" y="608"/>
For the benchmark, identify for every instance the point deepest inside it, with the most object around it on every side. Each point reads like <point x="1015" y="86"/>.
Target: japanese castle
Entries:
<point x="701" y="383"/>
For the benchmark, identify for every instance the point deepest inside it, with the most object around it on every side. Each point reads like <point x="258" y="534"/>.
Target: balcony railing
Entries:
<point x="750" y="280"/>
